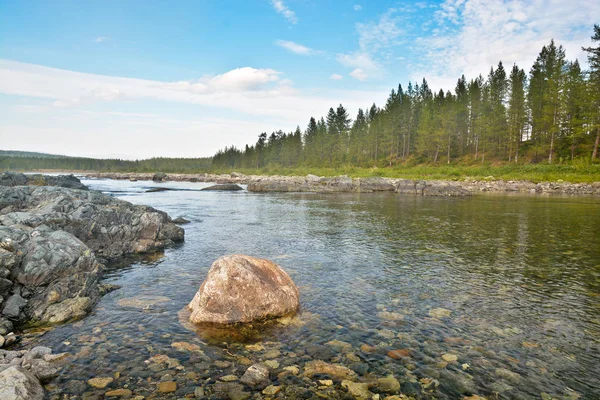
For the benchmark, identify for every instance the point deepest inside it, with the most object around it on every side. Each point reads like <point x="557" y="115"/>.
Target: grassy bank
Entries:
<point x="575" y="173"/>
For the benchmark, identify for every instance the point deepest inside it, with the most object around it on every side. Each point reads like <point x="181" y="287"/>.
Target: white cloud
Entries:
<point x="357" y="7"/>
<point x="101" y="39"/>
<point x="285" y="11"/>
<point x="336" y="77"/>
<point x="473" y="35"/>
<point x="260" y="93"/>
<point x="295" y="47"/>
<point x="360" y="60"/>
<point x="359" y="74"/>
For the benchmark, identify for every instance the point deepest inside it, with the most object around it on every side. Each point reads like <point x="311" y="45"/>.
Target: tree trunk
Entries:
<point x="595" y="153"/>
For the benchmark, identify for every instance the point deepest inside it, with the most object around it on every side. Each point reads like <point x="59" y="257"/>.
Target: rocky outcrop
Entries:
<point x="241" y="288"/>
<point x="53" y="242"/>
<point x="108" y="226"/>
<point x="224" y="187"/>
<point x="12" y="179"/>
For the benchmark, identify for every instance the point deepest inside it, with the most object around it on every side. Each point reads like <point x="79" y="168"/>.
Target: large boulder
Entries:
<point x="240" y="288"/>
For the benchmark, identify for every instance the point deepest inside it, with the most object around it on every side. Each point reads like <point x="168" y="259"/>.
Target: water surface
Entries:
<point x="510" y="285"/>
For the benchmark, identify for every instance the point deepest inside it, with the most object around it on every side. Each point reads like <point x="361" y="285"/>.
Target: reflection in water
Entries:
<point x="490" y="295"/>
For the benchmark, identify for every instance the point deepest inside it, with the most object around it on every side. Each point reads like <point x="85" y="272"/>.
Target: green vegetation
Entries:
<point x="551" y="115"/>
<point x="578" y="172"/>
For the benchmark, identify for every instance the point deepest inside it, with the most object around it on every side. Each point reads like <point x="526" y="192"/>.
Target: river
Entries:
<point x="497" y="296"/>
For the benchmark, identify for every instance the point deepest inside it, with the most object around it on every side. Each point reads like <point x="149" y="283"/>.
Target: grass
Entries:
<point x="576" y="172"/>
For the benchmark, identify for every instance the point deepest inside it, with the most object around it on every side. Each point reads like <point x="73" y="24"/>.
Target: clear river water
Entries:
<point x="495" y="296"/>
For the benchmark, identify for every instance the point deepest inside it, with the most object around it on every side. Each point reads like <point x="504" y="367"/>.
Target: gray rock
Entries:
<point x="180" y="221"/>
<point x="18" y="384"/>
<point x="256" y="375"/>
<point x="226" y="187"/>
<point x="6" y="326"/>
<point x="13" y="306"/>
<point x="36" y="352"/>
<point x="159" y="177"/>
<point x="43" y="370"/>
<point x="158" y="189"/>
<point x="376" y="185"/>
<point x="12" y="179"/>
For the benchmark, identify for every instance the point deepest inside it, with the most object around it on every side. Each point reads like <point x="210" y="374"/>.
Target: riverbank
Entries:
<point x="313" y="183"/>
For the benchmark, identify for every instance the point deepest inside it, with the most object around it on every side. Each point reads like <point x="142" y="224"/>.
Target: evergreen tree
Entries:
<point x="594" y="87"/>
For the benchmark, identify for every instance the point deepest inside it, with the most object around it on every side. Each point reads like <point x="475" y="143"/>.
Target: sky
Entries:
<point x="139" y="79"/>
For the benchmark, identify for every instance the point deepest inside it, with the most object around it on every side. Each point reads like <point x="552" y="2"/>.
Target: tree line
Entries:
<point x="171" y="165"/>
<point x="550" y="114"/>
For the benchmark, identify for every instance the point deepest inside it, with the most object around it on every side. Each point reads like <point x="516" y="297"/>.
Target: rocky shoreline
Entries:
<point x="54" y="243"/>
<point x="313" y="183"/>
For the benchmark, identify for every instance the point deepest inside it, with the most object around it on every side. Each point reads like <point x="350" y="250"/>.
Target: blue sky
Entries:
<point x="136" y="79"/>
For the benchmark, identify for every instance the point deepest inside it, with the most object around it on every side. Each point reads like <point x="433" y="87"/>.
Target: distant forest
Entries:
<point x="40" y="161"/>
<point x="550" y="115"/>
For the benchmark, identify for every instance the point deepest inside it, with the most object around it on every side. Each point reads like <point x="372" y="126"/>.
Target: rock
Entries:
<point x="339" y="346"/>
<point x="376" y="185"/>
<point x="272" y="354"/>
<point x="271" y="390"/>
<point x="256" y="375"/>
<point x="43" y="370"/>
<point x="55" y="358"/>
<point x="37" y="352"/>
<point x="231" y="391"/>
<point x="159" y="177"/>
<point x="119" y="393"/>
<point x="293" y="369"/>
<point x="158" y="189"/>
<point x="13" y="306"/>
<point x="180" y="221"/>
<point x="226" y="187"/>
<point x="273" y="364"/>
<point x="508" y="374"/>
<point x="12" y="179"/>
<point x="199" y="392"/>
<point x="1" y="341"/>
<point x="388" y="384"/>
<point x="167" y="387"/>
<point x="359" y="391"/>
<point x="18" y="384"/>
<point x="241" y="288"/>
<point x="439" y="313"/>
<point x="10" y="339"/>
<point x="229" y="378"/>
<point x="450" y="357"/>
<point x="336" y="371"/>
<point x="398" y="353"/>
<point x="100" y="383"/>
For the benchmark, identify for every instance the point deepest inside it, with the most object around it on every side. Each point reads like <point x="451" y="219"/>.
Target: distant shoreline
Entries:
<point x="316" y="184"/>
